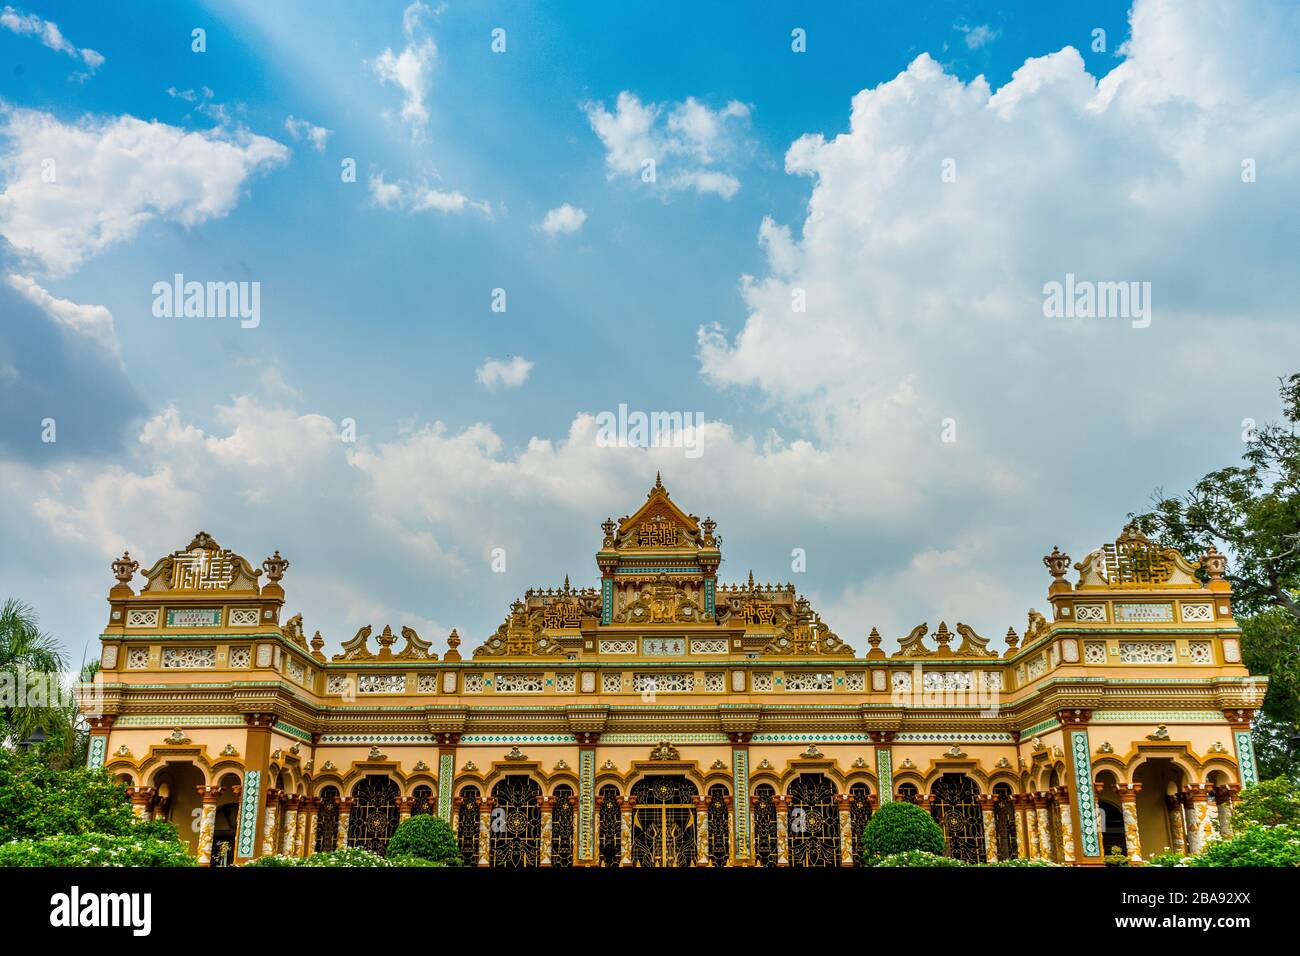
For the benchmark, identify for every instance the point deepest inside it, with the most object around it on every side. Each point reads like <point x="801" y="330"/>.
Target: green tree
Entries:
<point x="1268" y="803"/>
<point x="425" y="837"/>
<point x="1251" y="513"/>
<point x="26" y="652"/>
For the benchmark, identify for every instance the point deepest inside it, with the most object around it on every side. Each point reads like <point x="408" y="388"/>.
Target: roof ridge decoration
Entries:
<point x="1133" y="561"/>
<point x="914" y="644"/>
<point x="202" y="565"/>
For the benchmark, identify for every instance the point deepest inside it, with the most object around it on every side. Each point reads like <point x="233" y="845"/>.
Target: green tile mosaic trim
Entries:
<point x="885" y="774"/>
<point x="98" y="748"/>
<point x="518" y="739"/>
<point x="1246" y="758"/>
<point x="1085" y="796"/>
<point x="180" y="720"/>
<point x="740" y="788"/>
<point x="446" y="773"/>
<point x="292" y="731"/>
<point x="378" y="739"/>
<point x="1160" y="716"/>
<point x="809" y="738"/>
<point x="586" y="802"/>
<point x="248" y="813"/>
<point x="653" y="739"/>
<point x="1039" y="728"/>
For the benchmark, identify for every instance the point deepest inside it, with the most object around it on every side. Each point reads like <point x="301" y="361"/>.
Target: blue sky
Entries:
<point x="777" y="170"/>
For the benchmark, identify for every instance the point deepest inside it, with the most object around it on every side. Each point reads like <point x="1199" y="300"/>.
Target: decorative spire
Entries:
<point x="317" y="642"/>
<point x="124" y="568"/>
<point x="943" y="636"/>
<point x="1057" y="562"/>
<point x="453" y="642"/>
<point x="1012" y="640"/>
<point x="1214" y="563"/>
<point x="275" y="566"/>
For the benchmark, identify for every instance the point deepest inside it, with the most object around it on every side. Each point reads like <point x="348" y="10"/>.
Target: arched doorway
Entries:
<point x="859" y="817"/>
<point x="663" y="822"/>
<point x="813" y="823"/>
<point x="421" y="800"/>
<point x="467" y="826"/>
<point x="955" y="807"/>
<point x="611" y="826"/>
<point x="1004" y="821"/>
<point x="719" y="813"/>
<point x="762" y="818"/>
<point x="1158" y="817"/>
<point x="179" y="802"/>
<point x="515" y="826"/>
<point x="327" y="821"/>
<point x="562" y="804"/>
<point x="374" y="814"/>
<point x="226" y="822"/>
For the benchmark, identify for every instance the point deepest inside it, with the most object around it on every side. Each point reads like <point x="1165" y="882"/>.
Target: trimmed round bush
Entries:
<point x="899" y="828"/>
<point x="425" y="837"/>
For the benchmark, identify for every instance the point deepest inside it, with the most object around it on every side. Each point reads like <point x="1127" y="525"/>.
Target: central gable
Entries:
<point x="658" y="525"/>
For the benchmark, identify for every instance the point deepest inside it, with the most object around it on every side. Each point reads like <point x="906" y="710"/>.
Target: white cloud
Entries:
<point x="562" y="220"/>
<point x="979" y="36"/>
<point x="412" y="69"/>
<point x="681" y="144"/>
<point x="300" y="129"/>
<point x="29" y="24"/>
<point x="113" y="175"/>
<point x="410" y="197"/>
<point x="494" y="374"/>
<point x="94" y="321"/>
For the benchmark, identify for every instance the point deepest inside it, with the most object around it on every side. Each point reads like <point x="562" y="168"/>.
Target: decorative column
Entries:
<point x="1202" y="834"/>
<point x="741" y="850"/>
<point x="587" y="845"/>
<point x="100" y="727"/>
<point x="140" y="798"/>
<point x="1067" y="825"/>
<point x="883" y="739"/>
<point x="701" y="831"/>
<point x="299" y="827"/>
<point x="1239" y="719"/>
<point x="548" y="806"/>
<point x="404" y="805"/>
<point x="484" y="831"/>
<point x="625" y="805"/>
<point x="1224" y="798"/>
<point x="1128" y="795"/>
<point x="273" y="798"/>
<point x="1086" y="847"/>
<point x="310" y="808"/>
<point x="847" y="836"/>
<point x="447" y="742"/>
<point x="290" y="824"/>
<point x="345" y="811"/>
<point x="1044" y="826"/>
<point x="987" y="801"/>
<point x="731" y="831"/>
<point x="256" y="800"/>
<point x="782" y="805"/>
<point x="207" y="822"/>
<point x="1023" y="847"/>
<point x="1177" y="824"/>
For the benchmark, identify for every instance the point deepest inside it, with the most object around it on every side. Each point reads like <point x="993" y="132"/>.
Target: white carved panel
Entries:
<point x="108" y="659"/>
<point x="1144" y="613"/>
<point x="1146" y="652"/>
<point x="588" y="682"/>
<point x="1199" y="652"/>
<point x="761" y="682"/>
<point x="622" y="645"/>
<point x="473" y="683"/>
<point x="338" y="684"/>
<point x="947" y="680"/>
<point x="611" y="682"/>
<point x="449" y="682"/>
<point x="381" y="684"/>
<point x="709" y="645"/>
<point x="1094" y="652"/>
<point x="809" y="680"/>
<point x="879" y="680"/>
<point x="263" y="655"/>
<point x="737" y="682"/>
<point x="295" y="670"/>
<point x="1198" y="612"/>
<point x="189" y="657"/>
<point x="243" y="617"/>
<point x="1231" y="650"/>
<point x="855" y="681"/>
<point x="1090" y="613"/>
<point x="137" y="657"/>
<point x="427" y="684"/>
<point x="672" y="683"/>
<point x="715" y="683"/>
<point x="1070" y="650"/>
<point x="902" y="681"/>
<point x="142" y="617"/>
<point x="565" y="683"/>
<point x="519" y="683"/>
<point x="1037" y="667"/>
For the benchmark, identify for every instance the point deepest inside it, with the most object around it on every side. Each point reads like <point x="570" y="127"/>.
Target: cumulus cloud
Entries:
<point x="301" y="129"/>
<point x="72" y="190"/>
<point x="412" y="69"/>
<point x="562" y="220"/>
<point x="48" y="32"/>
<point x="413" y="197"/>
<point x="494" y="373"/>
<point x="978" y="36"/>
<point x="674" y="146"/>
<point x="91" y="320"/>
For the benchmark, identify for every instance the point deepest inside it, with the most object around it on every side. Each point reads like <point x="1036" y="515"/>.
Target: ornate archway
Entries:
<point x="663" y="822"/>
<point x="327" y="821"/>
<point x="374" y="814"/>
<point x="955" y="807"/>
<point x="562" y="826"/>
<point x="467" y="826"/>
<point x="762" y="816"/>
<point x="814" y="821"/>
<point x="719" y="814"/>
<point x="515" y="826"/>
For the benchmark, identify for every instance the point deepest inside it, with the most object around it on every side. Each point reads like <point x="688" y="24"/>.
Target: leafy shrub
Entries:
<point x="415" y="861"/>
<point x="37" y="800"/>
<point x="1269" y="802"/>
<point x="1168" y="858"/>
<point x="1254" y="846"/>
<point x="348" y="856"/>
<point x="95" y="849"/>
<point x="1018" y="862"/>
<point x="273" y="860"/>
<point x="1116" y="857"/>
<point x="425" y="837"/>
<point x="916" y="858"/>
<point x="898" y="827"/>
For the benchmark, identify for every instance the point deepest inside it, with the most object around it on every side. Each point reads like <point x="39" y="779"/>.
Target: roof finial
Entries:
<point x="658" y="480"/>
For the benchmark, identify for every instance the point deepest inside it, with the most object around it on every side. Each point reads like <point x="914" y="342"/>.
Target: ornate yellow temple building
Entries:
<point x="664" y="718"/>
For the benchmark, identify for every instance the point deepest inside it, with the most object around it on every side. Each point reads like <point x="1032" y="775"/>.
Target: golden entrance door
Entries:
<point x="663" y="822"/>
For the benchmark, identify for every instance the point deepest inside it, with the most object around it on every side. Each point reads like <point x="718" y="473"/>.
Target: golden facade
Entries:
<point x="663" y="718"/>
